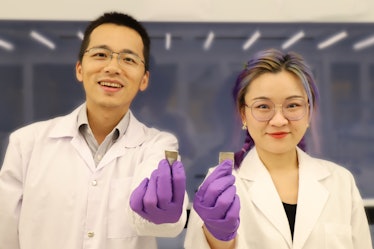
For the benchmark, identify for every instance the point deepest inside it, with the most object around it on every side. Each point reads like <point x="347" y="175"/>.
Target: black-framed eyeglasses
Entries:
<point x="292" y="109"/>
<point x="104" y="55"/>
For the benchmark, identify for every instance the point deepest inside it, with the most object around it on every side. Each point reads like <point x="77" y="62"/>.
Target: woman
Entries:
<point x="277" y="196"/>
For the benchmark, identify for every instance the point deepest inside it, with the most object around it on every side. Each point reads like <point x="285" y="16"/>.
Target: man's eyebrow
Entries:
<point x="121" y="51"/>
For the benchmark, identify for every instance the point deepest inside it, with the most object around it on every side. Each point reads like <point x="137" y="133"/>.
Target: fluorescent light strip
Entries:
<point x="167" y="41"/>
<point x="43" y="40"/>
<point x="251" y="40"/>
<point x="332" y="40"/>
<point x="209" y="40"/>
<point x="292" y="40"/>
<point x="6" y="45"/>
<point x="364" y="43"/>
<point x="80" y="35"/>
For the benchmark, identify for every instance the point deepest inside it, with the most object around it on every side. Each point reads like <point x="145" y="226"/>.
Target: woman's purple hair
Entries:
<point x="273" y="61"/>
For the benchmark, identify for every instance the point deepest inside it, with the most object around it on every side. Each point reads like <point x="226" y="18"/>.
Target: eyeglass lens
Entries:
<point x="292" y="109"/>
<point x="105" y="55"/>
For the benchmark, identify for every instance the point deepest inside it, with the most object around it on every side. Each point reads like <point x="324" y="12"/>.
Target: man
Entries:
<point x="96" y="178"/>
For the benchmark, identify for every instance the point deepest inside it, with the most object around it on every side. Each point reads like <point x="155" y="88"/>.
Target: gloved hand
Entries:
<point x="217" y="203"/>
<point x="159" y="199"/>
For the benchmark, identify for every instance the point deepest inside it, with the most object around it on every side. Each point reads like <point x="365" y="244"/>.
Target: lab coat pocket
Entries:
<point x="338" y="236"/>
<point x="119" y="225"/>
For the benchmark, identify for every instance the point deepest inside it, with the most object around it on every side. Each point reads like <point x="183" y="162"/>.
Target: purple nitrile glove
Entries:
<point x="217" y="203"/>
<point x="160" y="198"/>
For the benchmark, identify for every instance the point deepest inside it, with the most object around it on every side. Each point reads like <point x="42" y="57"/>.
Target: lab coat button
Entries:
<point x="90" y="234"/>
<point x="94" y="183"/>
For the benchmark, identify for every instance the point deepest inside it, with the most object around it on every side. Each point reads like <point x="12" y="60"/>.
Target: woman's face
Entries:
<point x="278" y="135"/>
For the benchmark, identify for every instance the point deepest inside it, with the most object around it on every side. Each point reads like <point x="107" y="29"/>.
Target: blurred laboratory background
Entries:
<point x="193" y="68"/>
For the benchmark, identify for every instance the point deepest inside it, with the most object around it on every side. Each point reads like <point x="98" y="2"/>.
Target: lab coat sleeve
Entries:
<point x="153" y="151"/>
<point x="11" y="184"/>
<point x="195" y="237"/>
<point x="360" y="227"/>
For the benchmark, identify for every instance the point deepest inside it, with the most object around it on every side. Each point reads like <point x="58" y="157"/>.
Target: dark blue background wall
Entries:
<point x="190" y="90"/>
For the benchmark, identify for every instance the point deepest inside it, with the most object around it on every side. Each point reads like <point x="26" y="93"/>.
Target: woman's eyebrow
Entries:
<point x="296" y="97"/>
<point x="260" y="98"/>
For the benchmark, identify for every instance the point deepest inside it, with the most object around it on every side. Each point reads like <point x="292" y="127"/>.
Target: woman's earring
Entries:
<point x="244" y="127"/>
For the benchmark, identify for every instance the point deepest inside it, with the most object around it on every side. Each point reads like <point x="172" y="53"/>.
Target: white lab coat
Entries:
<point x="53" y="196"/>
<point x="330" y="211"/>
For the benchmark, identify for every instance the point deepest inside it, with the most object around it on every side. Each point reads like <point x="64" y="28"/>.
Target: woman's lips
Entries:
<point x="278" y="135"/>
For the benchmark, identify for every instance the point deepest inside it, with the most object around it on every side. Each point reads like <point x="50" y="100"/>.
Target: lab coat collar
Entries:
<point x="312" y="195"/>
<point x="67" y="126"/>
<point x="133" y="137"/>
<point x="252" y="168"/>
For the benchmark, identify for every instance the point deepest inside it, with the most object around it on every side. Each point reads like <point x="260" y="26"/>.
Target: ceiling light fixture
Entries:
<point x="251" y="40"/>
<point x="167" y="41"/>
<point x="80" y="35"/>
<point x="42" y="39"/>
<point x="209" y="40"/>
<point x="332" y="40"/>
<point x="364" y="43"/>
<point x="293" y="39"/>
<point x="6" y="45"/>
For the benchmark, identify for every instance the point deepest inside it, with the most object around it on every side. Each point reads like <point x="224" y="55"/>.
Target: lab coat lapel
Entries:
<point x="312" y="197"/>
<point x="133" y="137"/>
<point x="264" y="194"/>
<point x="66" y="126"/>
<point x="81" y="147"/>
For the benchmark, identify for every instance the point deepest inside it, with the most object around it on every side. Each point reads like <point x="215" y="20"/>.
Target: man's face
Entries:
<point x="107" y="84"/>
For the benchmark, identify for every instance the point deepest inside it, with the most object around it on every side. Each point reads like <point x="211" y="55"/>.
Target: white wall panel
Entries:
<point x="195" y="10"/>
